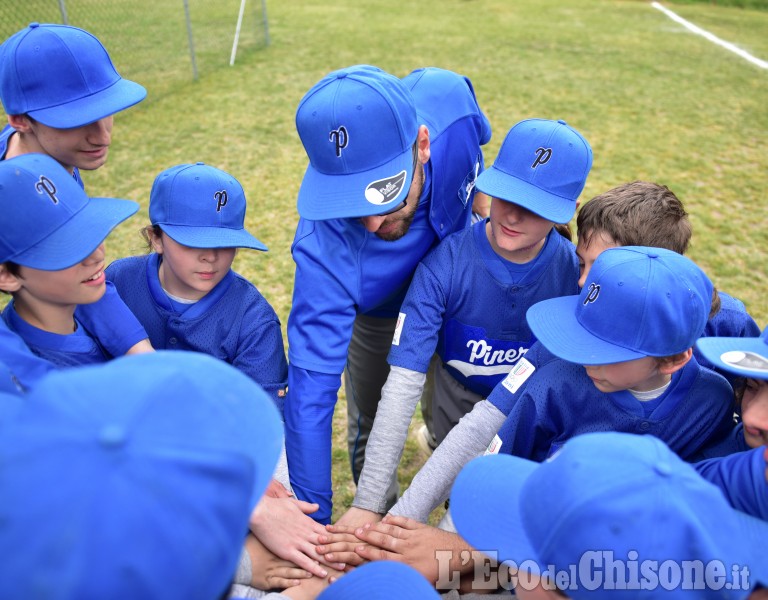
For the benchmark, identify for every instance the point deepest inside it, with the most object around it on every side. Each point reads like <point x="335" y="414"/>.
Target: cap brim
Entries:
<point x="485" y="506"/>
<point x="119" y="96"/>
<point x="730" y="354"/>
<point x="328" y="196"/>
<point x="78" y="237"/>
<point x="555" y="325"/>
<point x="212" y="237"/>
<point x="498" y="184"/>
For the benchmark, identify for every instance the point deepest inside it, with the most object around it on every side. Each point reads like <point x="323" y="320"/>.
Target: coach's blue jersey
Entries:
<point x="741" y="477"/>
<point x="732" y="320"/>
<point x="467" y="304"/>
<point x="557" y="401"/>
<point x="343" y="270"/>
<point x="72" y="350"/>
<point x="232" y="322"/>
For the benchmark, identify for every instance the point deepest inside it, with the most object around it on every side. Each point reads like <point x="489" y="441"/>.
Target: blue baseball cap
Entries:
<point x="638" y="301"/>
<point x="381" y="580"/>
<point x="358" y="126"/>
<point x="201" y="207"/>
<point x="607" y="493"/>
<point x="117" y="476"/>
<point x="62" y="76"/>
<point x="746" y="356"/>
<point x="47" y="221"/>
<point x="542" y="166"/>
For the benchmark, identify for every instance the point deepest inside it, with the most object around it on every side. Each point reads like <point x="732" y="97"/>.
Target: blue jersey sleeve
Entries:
<point x="743" y="479"/>
<point x="22" y="368"/>
<point x="308" y="419"/>
<point x="420" y="321"/>
<point x="111" y="322"/>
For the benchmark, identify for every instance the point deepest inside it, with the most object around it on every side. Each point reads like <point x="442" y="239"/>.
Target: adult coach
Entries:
<point x="392" y="166"/>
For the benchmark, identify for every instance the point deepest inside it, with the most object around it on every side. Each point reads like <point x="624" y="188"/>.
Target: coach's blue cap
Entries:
<point x="542" y="166"/>
<point x="358" y="126"/>
<point x="381" y="580"/>
<point x="47" y="221"/>
<point x="116" y="475"/>
<point x="62" y="76"/>
<point x="608" y="497"/>
<point x="637" y="302"/>
<point x="201" y="207"/>
<point x="746" y="356"/>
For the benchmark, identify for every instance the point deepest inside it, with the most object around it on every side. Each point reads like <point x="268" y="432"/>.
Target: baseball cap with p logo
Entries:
<point x="47" y="221"/>
<point x="638" y="302"/>
<point x="542" y="166"/>
<point x="358" y="126"/>
<point x="200" y="206"/>
<point x="62" y="76"/>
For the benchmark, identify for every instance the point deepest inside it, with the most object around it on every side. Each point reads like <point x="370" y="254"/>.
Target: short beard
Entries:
<point x="405" y="224"/>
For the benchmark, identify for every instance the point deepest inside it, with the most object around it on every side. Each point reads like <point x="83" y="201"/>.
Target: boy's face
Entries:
<point x="640" y="375"/>
<point x="754" y="412"/>
<point x="191" y="273"/>
<point x="516" y="233"/>
<point x="588" y="253"/>
<point x="40" y="291"/>
<point x="83" y="147"/>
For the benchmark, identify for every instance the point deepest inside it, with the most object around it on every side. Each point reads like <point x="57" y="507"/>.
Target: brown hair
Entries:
<point x="640" y="213"/>
<point x="147" y="232"/>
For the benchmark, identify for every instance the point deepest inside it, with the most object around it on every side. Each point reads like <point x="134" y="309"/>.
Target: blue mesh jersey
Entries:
<point x="73" y="350"/>
<point x="342" y="270"/>
<point x="469" y="304"/>
<point x="232" y="322"/>
<point x="109" y="320"/>
<point x="558" y="401"/>
<point x="741" y="477"/>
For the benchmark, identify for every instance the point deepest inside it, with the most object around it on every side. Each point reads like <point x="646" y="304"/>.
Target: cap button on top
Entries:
<point x="341" y="75"/>
<point x="34" y="25"/>
<point x="200" y="163"/>
<point x="663" y="468"/>
<point x="112" y="436"/>
<point x="562" y="122"/>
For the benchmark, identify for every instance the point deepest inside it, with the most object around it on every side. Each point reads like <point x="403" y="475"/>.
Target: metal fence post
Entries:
<point x="191" y="41"/>
<point x="63" y="9"/>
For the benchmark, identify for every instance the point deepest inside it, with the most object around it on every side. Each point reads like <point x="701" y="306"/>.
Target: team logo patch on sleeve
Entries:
<point x="398" y="329"/>
<point x="519" y="374"/>
<point x="494" y="446"/>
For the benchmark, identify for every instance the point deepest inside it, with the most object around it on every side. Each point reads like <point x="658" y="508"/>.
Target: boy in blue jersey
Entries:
<point x="52" y="256"/>
<point x="611" y="515"/>
<point x="618" y="357"/>
<point x="186" y="294"/>
<point x="468" y="297"/>
<point x="642" y="213"/>
<point x="742" y="475"/>
<point x="392" y="170"/>
<point x="59" y="90"/>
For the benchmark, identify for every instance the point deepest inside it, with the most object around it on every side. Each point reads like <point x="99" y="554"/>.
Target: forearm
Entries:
<point x="432" y="484"/>
<point x="308" y="419"/>
<point x="399" y="397"/>
<point x="111" y="322"/>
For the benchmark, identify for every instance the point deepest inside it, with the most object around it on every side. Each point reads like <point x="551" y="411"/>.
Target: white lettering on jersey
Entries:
<point x="492" y="362"/>
<point x="398" y="329"/>
<point x="494" y="446"/>
<point x="518" y="375"/>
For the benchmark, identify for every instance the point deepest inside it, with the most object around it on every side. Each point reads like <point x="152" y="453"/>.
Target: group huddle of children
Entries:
<point x="619" y="334"/>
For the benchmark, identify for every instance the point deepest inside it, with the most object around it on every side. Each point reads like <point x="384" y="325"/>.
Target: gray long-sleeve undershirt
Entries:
<point x="399" y="398"/>
<point x="432" y="484"/>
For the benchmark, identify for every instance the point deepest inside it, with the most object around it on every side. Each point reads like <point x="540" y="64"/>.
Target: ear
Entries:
<point x="671" y="364"/>
<point x="422" y="143"/>
<point x="20" y="123"/>
<point x="156" y="241"/>
<point x="8" y="281"/>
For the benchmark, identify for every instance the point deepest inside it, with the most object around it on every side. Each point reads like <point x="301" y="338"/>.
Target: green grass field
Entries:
<point x="655" y="101"/>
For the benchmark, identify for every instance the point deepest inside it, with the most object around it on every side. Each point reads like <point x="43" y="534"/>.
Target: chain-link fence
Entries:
<point x="158" y="43"/>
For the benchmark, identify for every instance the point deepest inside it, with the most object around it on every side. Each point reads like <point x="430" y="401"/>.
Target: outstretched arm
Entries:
<point x="432" y="484"/>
